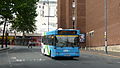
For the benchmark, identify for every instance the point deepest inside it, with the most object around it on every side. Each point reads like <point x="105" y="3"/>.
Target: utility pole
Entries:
<point x="105" y="22"/>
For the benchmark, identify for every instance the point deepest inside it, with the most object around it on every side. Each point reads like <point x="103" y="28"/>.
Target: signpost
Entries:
<point x="105" y="21"/>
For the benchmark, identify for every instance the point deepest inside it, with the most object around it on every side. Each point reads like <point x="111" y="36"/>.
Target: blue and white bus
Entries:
<point x="61" y="43"/>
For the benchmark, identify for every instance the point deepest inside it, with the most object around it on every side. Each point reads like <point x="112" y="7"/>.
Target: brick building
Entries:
<point x="95" y="22"/>
<point x="89" y="17"/>
<point x="71" y="14"/>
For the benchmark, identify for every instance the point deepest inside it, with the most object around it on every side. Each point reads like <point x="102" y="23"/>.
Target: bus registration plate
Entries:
<point x="67" y="55"/>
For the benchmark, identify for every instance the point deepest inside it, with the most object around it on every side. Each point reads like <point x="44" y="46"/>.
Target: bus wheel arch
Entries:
<point x="44" y="52"/>
<point x="50" y="54"/>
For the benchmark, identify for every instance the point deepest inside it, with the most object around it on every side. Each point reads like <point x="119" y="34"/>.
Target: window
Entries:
<point x="73" y="24"/>
<point x="48" y="40"/>
<point x="91" y="33"/>
<point x="73" y="4"/>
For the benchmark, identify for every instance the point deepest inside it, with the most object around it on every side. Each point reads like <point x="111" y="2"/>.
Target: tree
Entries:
<point x="6" y="13"/>
<point x="25" y="11"/>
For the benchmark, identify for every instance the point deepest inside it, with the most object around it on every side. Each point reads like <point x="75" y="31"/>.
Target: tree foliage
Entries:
<point x="25" y="11"/>
<point x="6" y="9"/>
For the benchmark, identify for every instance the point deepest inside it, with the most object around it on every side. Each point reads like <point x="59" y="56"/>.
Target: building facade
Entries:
<point x="47" y="16"/>
<point x="96" y="18"/>
<point x="97" y="13"/>
<point x="61" y="13"/>
<point x="71" y="14"/>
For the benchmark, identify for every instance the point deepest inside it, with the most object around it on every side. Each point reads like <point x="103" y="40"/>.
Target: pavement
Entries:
<point x="5" y="48"/>
<point x="101" y="52"/>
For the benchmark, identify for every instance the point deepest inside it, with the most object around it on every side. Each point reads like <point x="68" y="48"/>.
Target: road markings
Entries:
<point x="19" y="60"/>
<point x="13" y="57"/>
<point x="9" y="61"/>
<point x="31" y="60"/>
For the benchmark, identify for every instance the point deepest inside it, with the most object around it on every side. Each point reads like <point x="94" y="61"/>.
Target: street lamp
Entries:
<point x="48" y="13"/>
<point x="105" y="22"/>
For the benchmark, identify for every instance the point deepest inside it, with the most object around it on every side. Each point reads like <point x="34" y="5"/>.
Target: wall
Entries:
<point x="95" y="22"/>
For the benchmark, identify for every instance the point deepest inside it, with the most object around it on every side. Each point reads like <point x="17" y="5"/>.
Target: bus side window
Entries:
<point x="45" y="40"/>
<point x="50" y="40"/>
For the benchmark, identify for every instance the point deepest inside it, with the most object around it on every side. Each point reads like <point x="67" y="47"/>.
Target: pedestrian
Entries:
<point x="30" y="44"/>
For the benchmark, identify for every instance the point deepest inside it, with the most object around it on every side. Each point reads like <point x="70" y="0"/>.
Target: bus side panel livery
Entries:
<point x="61" y="43"/>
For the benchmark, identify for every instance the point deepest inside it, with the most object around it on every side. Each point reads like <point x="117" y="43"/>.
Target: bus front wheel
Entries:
<point x="50" y="54"/>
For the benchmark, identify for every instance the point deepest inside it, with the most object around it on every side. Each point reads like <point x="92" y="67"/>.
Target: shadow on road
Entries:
<point x="64" y="58"/>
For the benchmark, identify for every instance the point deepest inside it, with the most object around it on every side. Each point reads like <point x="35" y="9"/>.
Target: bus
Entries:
<point x="61" y="43"/>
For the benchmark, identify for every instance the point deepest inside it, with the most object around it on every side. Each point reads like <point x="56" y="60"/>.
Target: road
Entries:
<point x="23" y="57"/>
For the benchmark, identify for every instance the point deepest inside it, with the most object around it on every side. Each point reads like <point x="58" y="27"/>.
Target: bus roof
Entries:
<point x="55" y="32"/>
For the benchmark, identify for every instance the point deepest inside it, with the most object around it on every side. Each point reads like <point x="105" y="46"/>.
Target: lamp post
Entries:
<point x="48" y="13"/>
<point x="105" y="22"/>
<point x="73" y="16"/>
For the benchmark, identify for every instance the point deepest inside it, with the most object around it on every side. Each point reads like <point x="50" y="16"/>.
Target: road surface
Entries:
<point x="23" y="57"/>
